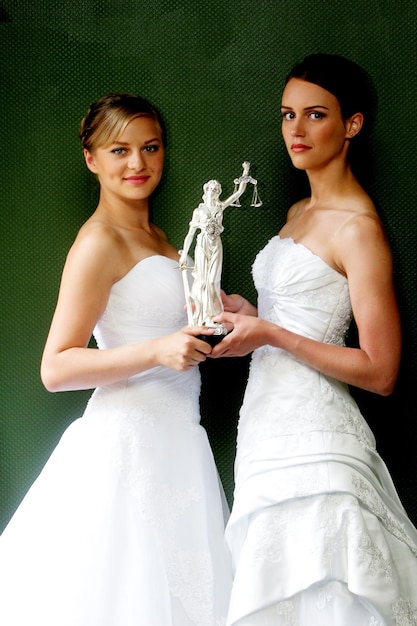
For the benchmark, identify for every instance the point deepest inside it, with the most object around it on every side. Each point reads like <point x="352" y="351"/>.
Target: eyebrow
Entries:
<point x="309" y="108"/>
<point x="126" y="143"/>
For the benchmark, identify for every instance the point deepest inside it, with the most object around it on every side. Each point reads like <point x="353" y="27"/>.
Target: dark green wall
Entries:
<point x="215" y="69"/>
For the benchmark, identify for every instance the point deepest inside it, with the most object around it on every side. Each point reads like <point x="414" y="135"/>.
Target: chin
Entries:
<point x="299" y="165"/>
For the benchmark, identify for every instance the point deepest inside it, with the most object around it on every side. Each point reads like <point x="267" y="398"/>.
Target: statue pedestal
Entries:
<point x="220" y="332"/>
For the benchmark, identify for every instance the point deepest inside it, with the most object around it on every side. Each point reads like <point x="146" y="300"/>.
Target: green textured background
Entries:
<point x="215" y="70"/>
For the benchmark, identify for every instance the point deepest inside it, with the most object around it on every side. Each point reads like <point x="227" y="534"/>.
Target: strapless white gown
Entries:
<point x="317" y="532"/>
<point x="125" y="524"/>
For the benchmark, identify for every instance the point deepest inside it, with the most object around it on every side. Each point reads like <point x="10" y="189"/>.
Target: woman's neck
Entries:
<point x="326" y="184"/>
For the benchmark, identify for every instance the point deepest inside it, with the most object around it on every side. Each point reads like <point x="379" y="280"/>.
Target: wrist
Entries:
<point x="246" y="308"/>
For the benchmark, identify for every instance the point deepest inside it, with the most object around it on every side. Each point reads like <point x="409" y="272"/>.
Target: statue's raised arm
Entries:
<point x="240" y="185"/>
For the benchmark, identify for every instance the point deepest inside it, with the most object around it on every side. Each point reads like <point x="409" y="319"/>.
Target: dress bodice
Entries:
<point x="146" y="303"/>
<point x="299" y="291"/>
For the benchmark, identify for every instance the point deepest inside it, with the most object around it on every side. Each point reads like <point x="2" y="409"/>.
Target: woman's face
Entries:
<point x="130" y="168"/>
<point x="313" y="129"/>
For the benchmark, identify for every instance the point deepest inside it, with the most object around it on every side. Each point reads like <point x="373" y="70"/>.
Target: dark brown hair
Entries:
<point x="354" y="90"/>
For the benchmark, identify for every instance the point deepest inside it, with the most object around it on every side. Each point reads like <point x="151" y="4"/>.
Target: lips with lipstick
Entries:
<point x="299" y="147"/>
<point x="137" y="180"/>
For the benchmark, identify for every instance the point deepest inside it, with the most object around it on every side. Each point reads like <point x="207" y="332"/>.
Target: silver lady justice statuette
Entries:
<point x="202" y="289"/>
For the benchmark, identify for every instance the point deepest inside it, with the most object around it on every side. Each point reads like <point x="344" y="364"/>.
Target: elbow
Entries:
<point x="385" y="383"/>
<point x="49" y="378"/>
<point x="384" y="372"/>
<point x="387" y="389"/>
<point x="49" y="383"/>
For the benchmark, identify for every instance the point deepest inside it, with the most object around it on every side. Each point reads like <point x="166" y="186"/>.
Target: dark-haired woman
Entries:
<point x="125" y="524"/>
<point x="317" y="532"/>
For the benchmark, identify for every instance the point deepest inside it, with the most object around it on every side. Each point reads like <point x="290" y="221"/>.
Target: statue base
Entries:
<point x="220" y="332"/>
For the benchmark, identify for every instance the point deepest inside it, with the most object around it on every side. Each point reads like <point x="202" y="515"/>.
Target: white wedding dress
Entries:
<point x="125" y="524"/>
<point x="317" y="532"/>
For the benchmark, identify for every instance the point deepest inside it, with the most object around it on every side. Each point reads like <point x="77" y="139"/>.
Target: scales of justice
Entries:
<point x="202" y="288"/>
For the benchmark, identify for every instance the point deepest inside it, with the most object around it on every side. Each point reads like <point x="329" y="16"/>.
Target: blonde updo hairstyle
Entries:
<point x="107" y="118"/>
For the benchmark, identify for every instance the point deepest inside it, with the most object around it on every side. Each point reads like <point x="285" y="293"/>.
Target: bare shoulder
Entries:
<point x="97" y="248"/>
<point x="97" y="236"/>
<point x="361" y="226"/>
<point x="361" y="241"/>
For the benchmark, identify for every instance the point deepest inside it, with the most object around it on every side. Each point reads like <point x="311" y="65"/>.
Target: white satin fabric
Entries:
<point x="125" y="524"/>
<point x="317" y="532"/>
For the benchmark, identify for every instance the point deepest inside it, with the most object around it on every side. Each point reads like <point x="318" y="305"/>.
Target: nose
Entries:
<point x="136" y="160"/>
<point x="297" y="128"/>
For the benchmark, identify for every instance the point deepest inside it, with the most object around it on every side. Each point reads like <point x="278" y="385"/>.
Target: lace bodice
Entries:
<point x="299" y="291"/>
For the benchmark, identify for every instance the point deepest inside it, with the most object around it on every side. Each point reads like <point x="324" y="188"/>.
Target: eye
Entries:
<point x="287" y="115"/>
<point x="118" y="151"/>
<point x="316" y="115"/>
<point x="151" y="148"/>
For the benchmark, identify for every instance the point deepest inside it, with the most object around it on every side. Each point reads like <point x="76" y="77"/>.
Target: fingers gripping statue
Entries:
<point x="203" y="297"/>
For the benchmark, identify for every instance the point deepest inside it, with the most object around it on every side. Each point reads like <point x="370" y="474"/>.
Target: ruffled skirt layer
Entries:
<point x="317" y="533"/>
